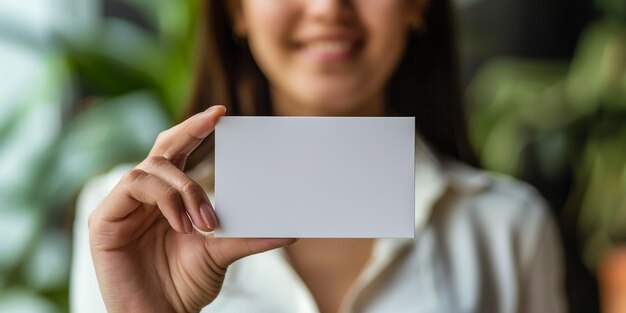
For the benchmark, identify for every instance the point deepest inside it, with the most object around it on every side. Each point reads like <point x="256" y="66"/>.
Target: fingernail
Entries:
<point x="207" y="216"/>
<point x="186" y="222"/>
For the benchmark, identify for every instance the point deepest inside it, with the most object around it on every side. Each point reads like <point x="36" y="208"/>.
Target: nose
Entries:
<point x="329" y="10"/>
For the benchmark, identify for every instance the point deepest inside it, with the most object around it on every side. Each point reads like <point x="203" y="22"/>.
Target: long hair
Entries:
<point x="425" y="84"/>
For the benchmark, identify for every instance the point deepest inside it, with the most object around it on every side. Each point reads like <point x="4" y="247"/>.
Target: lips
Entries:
<point x="330" y="47"/>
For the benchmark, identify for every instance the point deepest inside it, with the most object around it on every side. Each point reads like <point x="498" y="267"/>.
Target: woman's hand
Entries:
<point x="147" y="256"/>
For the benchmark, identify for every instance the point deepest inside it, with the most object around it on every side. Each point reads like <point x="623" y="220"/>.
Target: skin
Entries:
<point x="147" y="256"/>
<point x="280" y="34"/>
<point x="305" y="81"/>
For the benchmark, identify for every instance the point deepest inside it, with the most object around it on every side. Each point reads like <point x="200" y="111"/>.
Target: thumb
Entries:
<point x="225" y="251"/>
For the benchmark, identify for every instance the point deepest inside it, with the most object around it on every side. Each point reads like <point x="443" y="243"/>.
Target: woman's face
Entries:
<point x="326" y="57"/>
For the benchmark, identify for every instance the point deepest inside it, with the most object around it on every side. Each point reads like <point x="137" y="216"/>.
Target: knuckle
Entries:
<point x="216" y="255"/>
<point x="194" y="135"/>
<point x="90" y="220"/>
<point x="163" y="134"/>
<point x="191" y="129"/>
<point x="154" y="161"/>
<point x="94" y="223"/>
<point x="170" y="194"/>
<point x="162" y="137"/>
<point x="190" y="187"/>
<point x="134" y="175"/>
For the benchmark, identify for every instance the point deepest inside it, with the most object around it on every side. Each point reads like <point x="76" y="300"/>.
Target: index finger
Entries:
<point x="176" y="143"/>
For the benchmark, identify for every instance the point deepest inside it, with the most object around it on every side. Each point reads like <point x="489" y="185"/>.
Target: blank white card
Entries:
<point x="350" y="177"/>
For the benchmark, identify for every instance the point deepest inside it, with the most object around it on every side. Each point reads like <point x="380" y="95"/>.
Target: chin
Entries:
<point x="339" y="103"/>
<point x="337" y="107"/>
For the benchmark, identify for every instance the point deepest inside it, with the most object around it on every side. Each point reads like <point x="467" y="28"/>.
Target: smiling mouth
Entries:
<point x="328" y="50"/>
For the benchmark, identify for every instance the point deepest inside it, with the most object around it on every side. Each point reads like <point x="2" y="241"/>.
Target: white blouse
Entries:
<point x="484" y="243"/>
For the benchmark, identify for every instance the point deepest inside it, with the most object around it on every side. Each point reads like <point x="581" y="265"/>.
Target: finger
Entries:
<point x="225" y="251"/>
<point x="137" y="188"/>
<point x="197" y="203"/>
<point x="176" y="143"/>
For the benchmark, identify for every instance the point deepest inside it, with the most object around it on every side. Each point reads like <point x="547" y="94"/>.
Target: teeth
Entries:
<point x="331" y="46"/>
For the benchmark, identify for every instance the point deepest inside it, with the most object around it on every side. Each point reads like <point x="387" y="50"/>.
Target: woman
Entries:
<point x="484" y="243"/>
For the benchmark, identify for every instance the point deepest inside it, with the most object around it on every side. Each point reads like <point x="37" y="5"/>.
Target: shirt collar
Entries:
<point x="430" y="184"/>
<point x="435" y="176"/>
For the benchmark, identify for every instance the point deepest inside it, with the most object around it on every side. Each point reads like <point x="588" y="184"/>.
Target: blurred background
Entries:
<point x="88" y="84"/>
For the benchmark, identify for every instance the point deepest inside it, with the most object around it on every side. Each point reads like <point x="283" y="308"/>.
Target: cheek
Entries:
<point x="268" y="24"/>
<point x="386" y="24"/>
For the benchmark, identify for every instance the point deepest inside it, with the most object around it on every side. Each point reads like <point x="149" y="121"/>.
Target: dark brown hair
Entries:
<point x="425" y="84"/>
